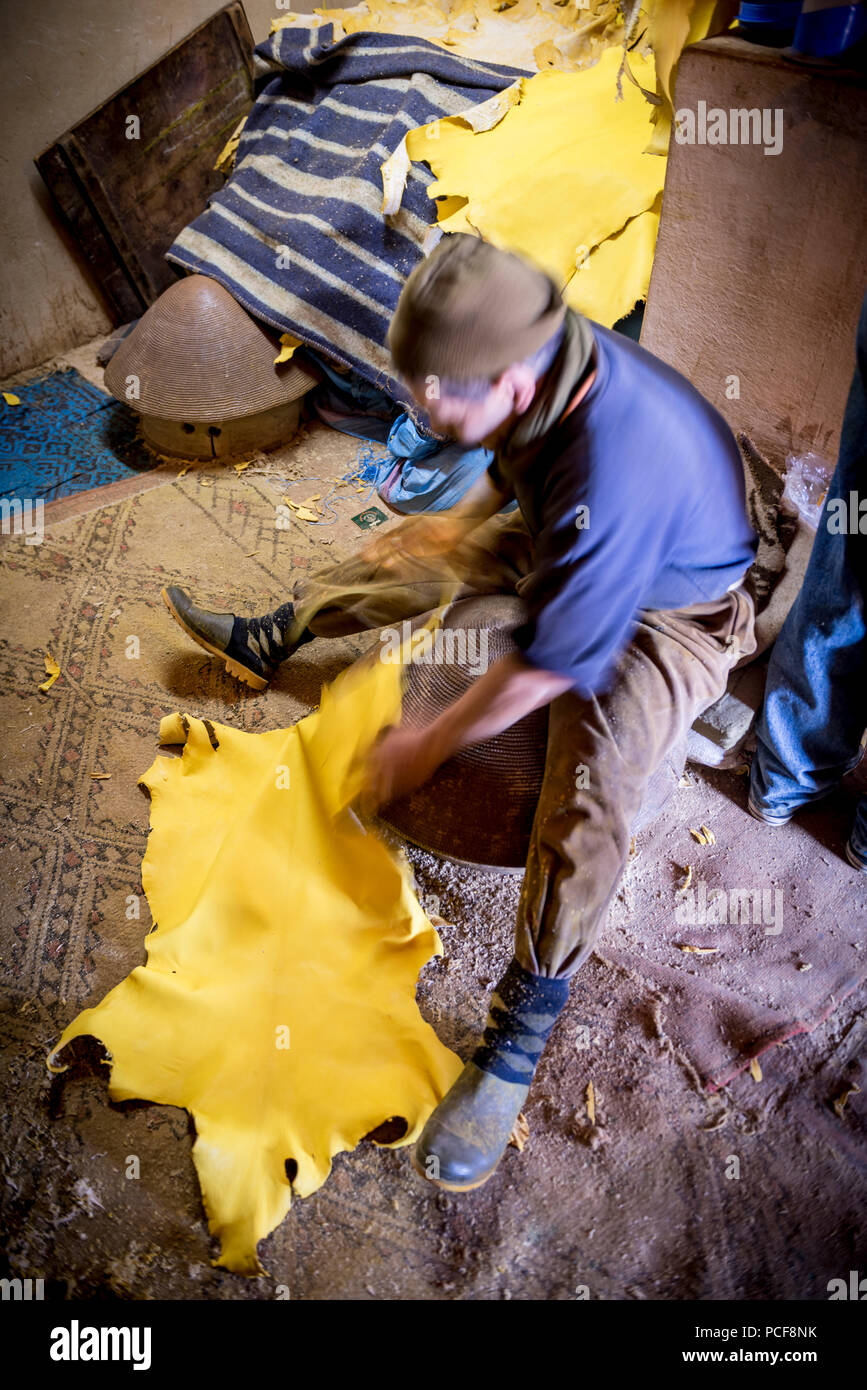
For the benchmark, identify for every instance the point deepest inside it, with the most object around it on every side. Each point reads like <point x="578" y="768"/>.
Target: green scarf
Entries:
<point x="553" y="394"/>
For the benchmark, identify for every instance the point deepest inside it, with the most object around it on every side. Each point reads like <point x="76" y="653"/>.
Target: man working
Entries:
<point x="628" y="551"/>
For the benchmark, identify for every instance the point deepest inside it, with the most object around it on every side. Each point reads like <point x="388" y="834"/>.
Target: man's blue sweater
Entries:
<point x="635" y="500"/>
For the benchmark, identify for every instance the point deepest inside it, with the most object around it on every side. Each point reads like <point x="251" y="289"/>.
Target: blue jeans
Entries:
<point x="815" y="712"/>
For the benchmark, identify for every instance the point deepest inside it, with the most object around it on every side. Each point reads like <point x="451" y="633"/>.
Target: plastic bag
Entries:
<point x="807" y="480"/>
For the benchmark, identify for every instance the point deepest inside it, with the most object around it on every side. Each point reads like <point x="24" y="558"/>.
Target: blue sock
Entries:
<point x="267" y="637"/>
<point x="523" y="1010"/>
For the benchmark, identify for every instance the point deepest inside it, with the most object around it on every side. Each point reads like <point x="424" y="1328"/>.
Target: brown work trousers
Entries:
<point x="676" y="664"/>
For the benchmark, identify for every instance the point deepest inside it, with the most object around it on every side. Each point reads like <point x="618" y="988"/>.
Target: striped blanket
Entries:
<point x="297" y="234"/>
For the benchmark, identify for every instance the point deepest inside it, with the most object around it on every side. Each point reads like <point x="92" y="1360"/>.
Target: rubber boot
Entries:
<point x="468" y="1132"/>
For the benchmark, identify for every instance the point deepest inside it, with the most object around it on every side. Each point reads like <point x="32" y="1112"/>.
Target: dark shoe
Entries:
<point x="767" y="817"/>
<point x="223" y="635"/>
<point x="466" y="1136"/>
<point x="855" y="859"/>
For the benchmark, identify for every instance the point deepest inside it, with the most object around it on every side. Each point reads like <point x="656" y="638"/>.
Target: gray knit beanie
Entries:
<point x="471" y="310"/>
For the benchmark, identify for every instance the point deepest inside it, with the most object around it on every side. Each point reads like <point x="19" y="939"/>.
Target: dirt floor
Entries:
<point x="753" y="1192"/>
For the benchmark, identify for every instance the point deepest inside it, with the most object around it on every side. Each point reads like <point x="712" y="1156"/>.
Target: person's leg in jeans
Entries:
<point x="810" y="730"/>
<point x="601" y="754"/>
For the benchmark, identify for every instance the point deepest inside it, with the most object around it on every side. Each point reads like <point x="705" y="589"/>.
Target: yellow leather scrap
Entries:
<point x="495" y="31"/>
<point x="562" y="173"/>
<point x="52" y="670"/>
<point x="533" y="35"/>
<point x="277" y="1004"/>
<point x="288" y="345"/>
<point x="672" y="26"/>
<point x="226" y="158"/>
<point x="489" y="113"/>
<point x="616" y="274"/>
<point x="394" y="171"/>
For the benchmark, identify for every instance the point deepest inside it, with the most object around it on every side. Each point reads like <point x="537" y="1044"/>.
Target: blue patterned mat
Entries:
<point x="66" y="436"/>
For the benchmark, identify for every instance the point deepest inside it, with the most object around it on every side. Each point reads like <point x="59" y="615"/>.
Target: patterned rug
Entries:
<point x="67" y="437"/>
